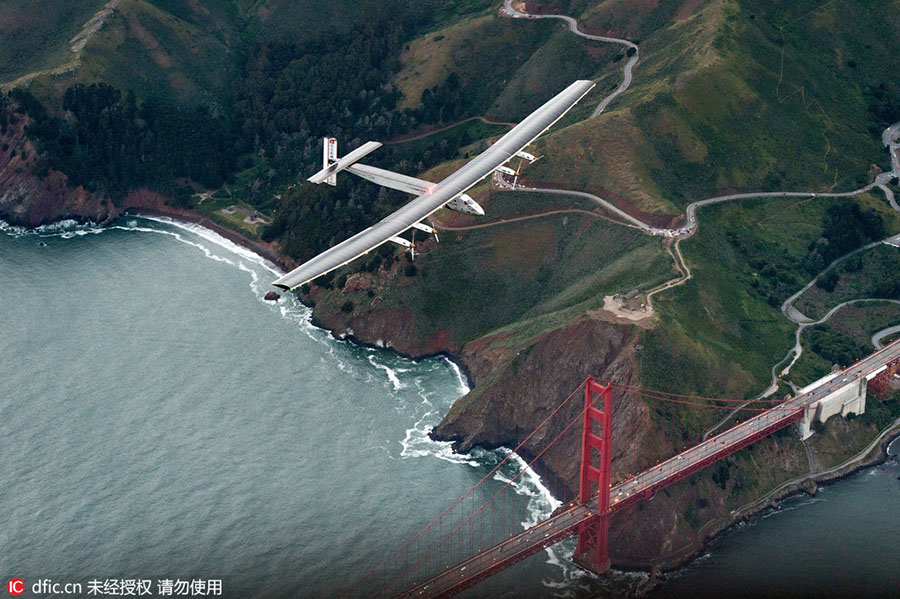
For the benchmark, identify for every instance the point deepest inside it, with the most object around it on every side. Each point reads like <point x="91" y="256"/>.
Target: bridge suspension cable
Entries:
<point x="439" y="546"/>
<point x="624" y="387"/>
<point x="456" y="530"/>
<point x="371" y="574"/>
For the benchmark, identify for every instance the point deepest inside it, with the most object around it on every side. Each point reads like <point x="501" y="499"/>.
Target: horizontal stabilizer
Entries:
<point x="391" y="179"/>
<point x="357" y="154"/>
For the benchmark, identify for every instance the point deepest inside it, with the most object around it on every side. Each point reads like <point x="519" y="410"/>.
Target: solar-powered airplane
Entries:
<point x="430" y="197"/>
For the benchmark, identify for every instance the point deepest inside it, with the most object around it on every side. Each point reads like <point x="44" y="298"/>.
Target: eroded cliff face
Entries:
<point x="516" y="384"/>
<point x="32" y="195"/>
<point x="518" y="389"/>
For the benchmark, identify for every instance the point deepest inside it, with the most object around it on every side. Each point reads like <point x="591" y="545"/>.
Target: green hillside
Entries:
<point x="728" y="95"/>
<point x="741" y="96"/>
<point x="529" y="275"/>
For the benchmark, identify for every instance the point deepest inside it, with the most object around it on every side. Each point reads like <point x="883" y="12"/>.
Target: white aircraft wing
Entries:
<point x="391" y="179"/>
<point x="434" y="198"/>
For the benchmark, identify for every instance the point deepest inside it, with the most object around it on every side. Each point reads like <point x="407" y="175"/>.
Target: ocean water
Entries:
<point x="159" y="420"/>
<point x="844" y="542"/>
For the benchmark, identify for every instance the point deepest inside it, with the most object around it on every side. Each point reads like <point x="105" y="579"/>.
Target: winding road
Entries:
<point x="890" y="137"/>
<point x="877" y="337"/>
<point x="573" y="27"/>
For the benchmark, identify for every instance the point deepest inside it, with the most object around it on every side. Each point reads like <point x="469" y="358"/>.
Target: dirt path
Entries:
<point x="685" y="274"/>
<point x="88" y="30"/>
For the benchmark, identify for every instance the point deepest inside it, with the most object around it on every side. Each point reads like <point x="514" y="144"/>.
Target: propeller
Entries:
<point x="518" y="170"/>
<point x="434" y="230"/>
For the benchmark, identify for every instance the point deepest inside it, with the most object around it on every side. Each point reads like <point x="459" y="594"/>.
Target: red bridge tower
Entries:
<point x="592" y="551"/>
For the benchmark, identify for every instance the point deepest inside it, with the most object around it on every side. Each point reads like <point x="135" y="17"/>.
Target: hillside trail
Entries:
<point x="88" y="30"/>
<point x="795" y="352"/>
<point x="890" y="138"/>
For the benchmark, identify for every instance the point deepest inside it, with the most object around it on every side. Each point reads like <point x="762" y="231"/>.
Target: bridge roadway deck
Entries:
<point x="644" y="485"/>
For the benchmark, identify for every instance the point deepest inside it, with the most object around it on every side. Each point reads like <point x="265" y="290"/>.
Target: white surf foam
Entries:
<point x="894" y="448"/>
<point x="65" y="228"/>
<point x="541" y="502"/>
<point x="11" y="230"/>
<point x="212" y="236"/>
<point x="392" y="376"/>
<point x="463" y="383"/>
<point x="417" y="444"/>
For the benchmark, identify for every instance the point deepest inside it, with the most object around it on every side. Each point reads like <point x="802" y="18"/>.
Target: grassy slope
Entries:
<point x="858" y="322"/>
<point x="529" y="277"/>
<point x="738" y="96"/>
<point x="507" y="68"/>
<point x="718" y="337"/>
<point x="294" y="20"/>
<point x="816" y="302"/>
<point x="184" y="52"/>
<point x="711" y="110"/>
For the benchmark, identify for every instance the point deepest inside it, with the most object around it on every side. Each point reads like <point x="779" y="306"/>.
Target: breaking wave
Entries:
<point x="391" y="374"/>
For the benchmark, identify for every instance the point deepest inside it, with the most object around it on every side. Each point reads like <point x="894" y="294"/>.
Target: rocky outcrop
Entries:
<point x="521" y="389"/>
<point x="272" y="297"/>
<point x="32" y="194"/>
<point x="28" y="199"/>
<point x="372" y="323"/>
<point x="519" y="383"/>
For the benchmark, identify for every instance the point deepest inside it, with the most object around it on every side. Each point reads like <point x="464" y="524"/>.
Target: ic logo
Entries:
<point x="15" y="586"/>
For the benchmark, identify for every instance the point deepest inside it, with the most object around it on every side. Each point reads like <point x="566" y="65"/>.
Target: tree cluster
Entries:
<point x="846" y="228"/>
<point x="338" y="84"/>
<point x="835" y="347"/>
<point x="884" y="103"/>
<point x="112" y="145"/>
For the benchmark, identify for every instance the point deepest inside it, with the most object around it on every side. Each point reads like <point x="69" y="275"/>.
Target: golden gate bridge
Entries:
<point x="469" y="543"/>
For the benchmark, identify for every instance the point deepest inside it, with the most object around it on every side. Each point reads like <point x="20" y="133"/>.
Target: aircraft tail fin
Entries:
<point x="332" y="165"/>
